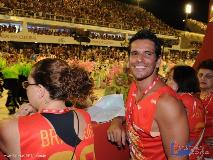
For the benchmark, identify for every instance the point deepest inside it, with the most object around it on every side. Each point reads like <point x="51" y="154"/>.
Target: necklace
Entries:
<point x="204" y="96"/>
<point x="56" y="111"/>
<point x="148" y="88"/>
<point x="208" y="99"/>
<point x="134" y="95"/>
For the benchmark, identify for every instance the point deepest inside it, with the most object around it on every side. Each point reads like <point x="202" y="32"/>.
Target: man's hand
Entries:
<point x="25" y="109"/>
<point x="116" y="133"/>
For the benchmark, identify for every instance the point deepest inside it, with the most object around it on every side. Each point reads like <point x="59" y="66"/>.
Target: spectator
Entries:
<point x="184" y="81"/>
<point x="45" y="127"/>
<point x="205" y="76"/>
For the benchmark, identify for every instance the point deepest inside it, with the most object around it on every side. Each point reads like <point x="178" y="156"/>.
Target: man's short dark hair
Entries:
<point x="146" y="34"/>
<point x="206" y="64"/>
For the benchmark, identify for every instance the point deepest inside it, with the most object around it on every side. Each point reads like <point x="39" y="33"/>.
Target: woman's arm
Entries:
<point x="9" y="138"/>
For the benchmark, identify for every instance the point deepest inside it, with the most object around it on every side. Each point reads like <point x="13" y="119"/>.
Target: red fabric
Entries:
<point x="143" y="144"/>
<point x="104" y="150"/>
<point x="196" y="118"/>
<point x="38" y="138"/>
<point x="207" y="47"/>
<point x="2" y="157"/>
<point x="208" y="104"/>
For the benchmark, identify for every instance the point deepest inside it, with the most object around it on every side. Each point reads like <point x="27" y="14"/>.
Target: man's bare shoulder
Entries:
<point x="169" y="106"/>
<point x="172" y="121"/>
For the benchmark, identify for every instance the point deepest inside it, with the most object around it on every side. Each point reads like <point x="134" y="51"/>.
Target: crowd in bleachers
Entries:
<point x="99" y="61"/>
<point x="9" y="28"/>
<point x="110" y="13"/>
<point x="176" y="57"/>
<point x="196" y="45"/>
<point x="196" y="26"/>
<point x="61" y="31"/>
<point x="50" y="31"/>
<point x="85" y="53"/>
<point x="90" y="53"/>
<point x="103" y="35"/>
<point x="170" y="42"/>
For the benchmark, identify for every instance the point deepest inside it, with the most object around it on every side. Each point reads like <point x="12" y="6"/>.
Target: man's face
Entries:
<point x="205" y="77"/>
<point x="142" y="59"/>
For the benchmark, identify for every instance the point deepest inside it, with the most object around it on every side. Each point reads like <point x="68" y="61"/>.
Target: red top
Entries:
<point x="144" y="144"/>
<point x="208" y="105"/>
<point x="196" y="119"/>
<point x="38" y="140"/>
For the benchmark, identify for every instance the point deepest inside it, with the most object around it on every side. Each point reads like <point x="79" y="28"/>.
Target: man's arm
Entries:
<point x="172" y="121"/>
<point x="116" y="132"/>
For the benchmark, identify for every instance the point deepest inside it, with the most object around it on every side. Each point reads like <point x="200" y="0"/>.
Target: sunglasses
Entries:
<point x="25" y="84"/>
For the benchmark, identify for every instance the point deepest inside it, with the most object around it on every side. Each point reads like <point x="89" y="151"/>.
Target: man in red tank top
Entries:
<point x="205" y="76"/>
<point x="156" y="122"/>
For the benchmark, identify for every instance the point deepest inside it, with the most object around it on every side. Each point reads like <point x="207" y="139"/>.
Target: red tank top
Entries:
<point x="38" y="140"/>
<point x="144" y="144"/>
<point x="196" y="119"/>
<point x="208" y="105"/>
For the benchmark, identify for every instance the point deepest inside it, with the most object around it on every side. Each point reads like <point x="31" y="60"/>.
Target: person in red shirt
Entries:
<point x="45" y="128"/>
<point x="156" y="121"/>
<point x="184" y="81"/>
<point x="205" y="76"/>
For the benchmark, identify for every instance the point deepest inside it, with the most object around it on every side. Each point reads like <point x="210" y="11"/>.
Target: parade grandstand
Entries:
<point x="93" y="30"/>
<point x="106" y="13"/>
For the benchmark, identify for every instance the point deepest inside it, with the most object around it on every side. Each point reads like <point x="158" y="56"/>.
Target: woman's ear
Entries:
<point x="176" y="87"/>
<point x="41" y="91"/>
<point x="158" y="62"/>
